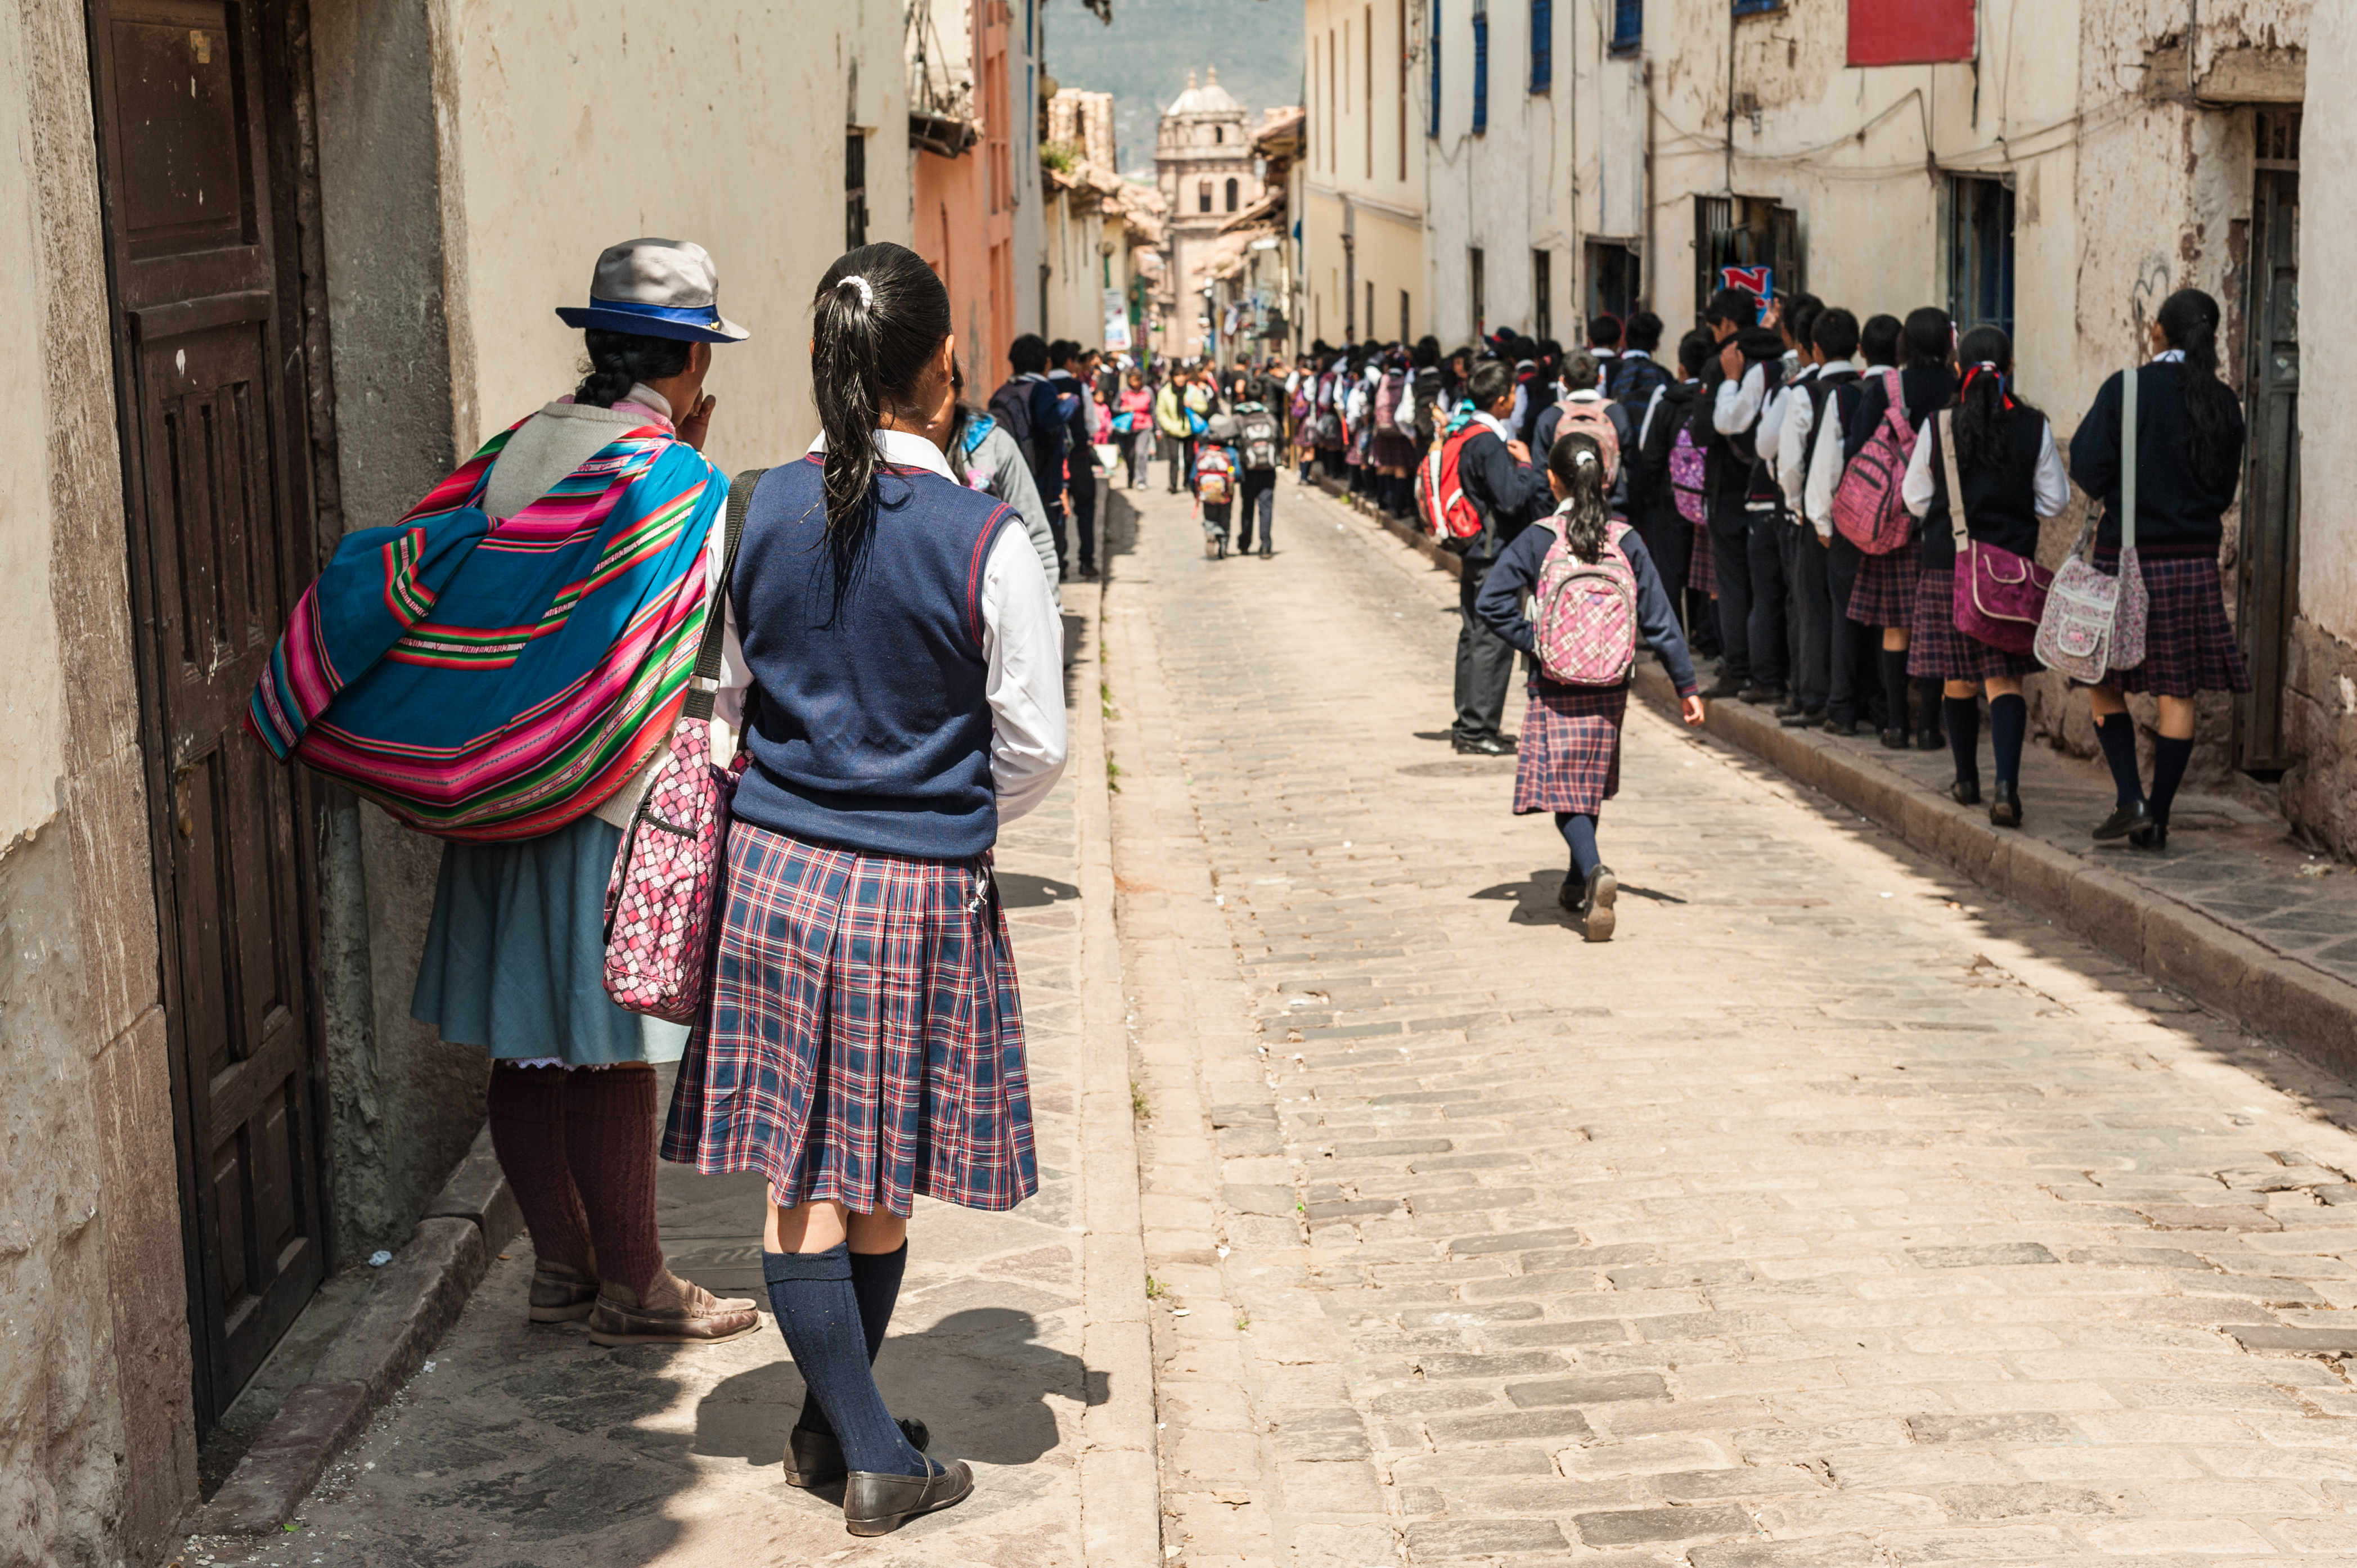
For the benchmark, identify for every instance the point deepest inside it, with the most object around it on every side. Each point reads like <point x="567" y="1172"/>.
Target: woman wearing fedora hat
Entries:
<point x="515" y="955"/>
<point x="863" y="1044"/>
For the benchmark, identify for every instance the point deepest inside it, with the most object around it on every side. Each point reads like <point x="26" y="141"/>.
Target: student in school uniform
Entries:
<point x="1834" y="346"/>
<point x="1884" y="595"/>
<point x="1634" y="377"/>
<point x="1570" y="758"/>
<point x="1217" y="479"/>
<point x="1796" y="321"/>
<point x="1754" y="367"/>
<point x="1506" y="491"/>
<point x="2189" y="465"/>
<point x="2011" y="476"/>
<point x="1725" y="474"/>
<point x="1579" y="376"/>
<point x="1853" y="686"/>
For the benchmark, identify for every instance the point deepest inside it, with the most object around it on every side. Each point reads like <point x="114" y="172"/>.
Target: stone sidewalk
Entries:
<point x="1837" y="1213"/>
<point x="1019" y="1338"/>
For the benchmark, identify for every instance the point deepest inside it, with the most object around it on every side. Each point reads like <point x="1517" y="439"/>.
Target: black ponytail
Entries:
<point x="2188" y="320"/>
<point x="1577" y="464"/>
<point x="618" y="360"/>
<point x="1986" y="354"/>
<point x="879" y="318"/>
<point x="1928" y="339"/>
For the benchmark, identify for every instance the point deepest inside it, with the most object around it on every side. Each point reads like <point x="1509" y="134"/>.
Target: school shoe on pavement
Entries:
<point x="875" y="1503"/>
<point x="675" y="1311"/>
<point x="1718" y="691"/>
<point x="1965" y="791"/>
<point x="1266" y="553"/>
<point x="2004" y="806"/>
<point x="1596" y="916"/>
<point x="1804" y="718"/>
<point x="560" y="1295"/>
<point x="815" y="1458"/>
<point x="1894" y="740"/>
<point x="2126" y="822"/>
<point x="1839" y="726"/>
<point x="1488" y="745"/>
<point x="1755" y="695"/>
<point x="1929" y="740"/>
<point x="2152" y="836"/>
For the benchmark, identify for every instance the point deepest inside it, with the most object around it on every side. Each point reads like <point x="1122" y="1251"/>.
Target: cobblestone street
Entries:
<point x="1833" y="1213"/>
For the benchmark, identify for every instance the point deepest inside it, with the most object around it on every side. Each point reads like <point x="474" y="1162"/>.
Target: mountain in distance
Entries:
<point x="1143" y="58"/>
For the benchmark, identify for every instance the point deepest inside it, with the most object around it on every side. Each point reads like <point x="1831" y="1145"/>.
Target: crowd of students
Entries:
<point x="1727" y="468"/>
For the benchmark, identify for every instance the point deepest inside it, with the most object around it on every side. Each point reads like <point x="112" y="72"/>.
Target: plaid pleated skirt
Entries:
<point x="1937" y="651"/>
<point x="2189" y="646"/>
<point x="1390" y="449"/>
<point x="1885" y="594"/>
<point x="1703" y="575"/>
<point x="1568" y="758"/>
<point x="862" y="1041"/>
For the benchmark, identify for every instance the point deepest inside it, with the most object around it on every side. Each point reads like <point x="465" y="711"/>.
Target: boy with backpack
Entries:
<point x="1833" y="347"/>
<point x="1851" y="696"/>
<point x="1029" y="407"/>
<point x="1215" y="479"/>
<point x="1671" y="510"/>
<point x="1478" y="490"/>
<point x="1260" y="449"/>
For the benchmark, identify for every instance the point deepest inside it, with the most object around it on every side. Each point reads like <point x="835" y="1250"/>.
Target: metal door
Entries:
<point x="218" y="515"/>
<point x="2269" y="553"/>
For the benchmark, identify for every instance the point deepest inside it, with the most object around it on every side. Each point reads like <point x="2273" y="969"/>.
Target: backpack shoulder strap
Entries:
<point x="2129" y="458"/>
<point x="715" y="611"/>
<point x="1947" y="439"/>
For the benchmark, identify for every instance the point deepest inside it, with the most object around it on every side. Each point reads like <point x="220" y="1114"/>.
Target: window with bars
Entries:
<point x="1980" y="252"/>
<point x="1543" y="294"/>
<point x="1432" y="52"/>
<point x="854" y="189"/>
<point x="1480" y="68"/>
<point x="1542" y="46"/>
<point x="1746" y="231"/>
<point x="1628" y="26"/>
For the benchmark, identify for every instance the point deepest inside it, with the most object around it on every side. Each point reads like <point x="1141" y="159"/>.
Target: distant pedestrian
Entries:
<point x="1133" y="427"/>
<point x="2011" y="476"/>
<point x="1260" y="451"/>
<point x="1074" y="370"/>
<point x="863" y="1043"/>
<point x="1171" y="426"/>
<point x="2189" y="446"/>
<point x="1217" y="479"/>
<point x="1596" y="593"/>
<point x="986" y="458"/>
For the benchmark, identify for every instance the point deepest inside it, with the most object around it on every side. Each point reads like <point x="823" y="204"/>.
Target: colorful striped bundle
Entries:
<point x="489" y="680"/>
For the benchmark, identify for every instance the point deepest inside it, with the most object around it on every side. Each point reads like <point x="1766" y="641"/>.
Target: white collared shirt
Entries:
<point x="1738" y="403"/>
<point x="1826" y="465"/>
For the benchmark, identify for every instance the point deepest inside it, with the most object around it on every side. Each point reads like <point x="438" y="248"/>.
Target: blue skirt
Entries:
<point x="515" y="955"/>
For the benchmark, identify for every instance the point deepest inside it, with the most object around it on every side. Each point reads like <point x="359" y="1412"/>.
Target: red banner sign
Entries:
<point x="1910" y="32"/>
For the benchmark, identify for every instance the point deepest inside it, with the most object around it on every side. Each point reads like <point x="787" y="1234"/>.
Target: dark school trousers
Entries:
<point x="1669" y="540"/>
<point x="1849" y="688"/>
<point x="1765" y="641"/>
<point x="1730" y="562"/>
<point x="1179" y="449"/>
<point x="1259" y="499"/>
<point x="1485" y="662"/>
<point x="1083" y="491"/>
<point x="1811" y="615"/>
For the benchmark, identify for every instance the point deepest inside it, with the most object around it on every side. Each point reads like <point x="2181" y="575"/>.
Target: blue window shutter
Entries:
<point x="1432" y="52"/>
<point x="1747" y="7"/>
<point x="1542" y="45"/>
<point x="1481" y="73"/>
<point x="1628" y="25"/>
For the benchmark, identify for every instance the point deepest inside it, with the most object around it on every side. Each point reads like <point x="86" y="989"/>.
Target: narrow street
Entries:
<point x="1832" y="1213"/>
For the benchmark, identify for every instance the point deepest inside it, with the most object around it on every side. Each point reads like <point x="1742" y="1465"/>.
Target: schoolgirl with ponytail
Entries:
<point x="2189" y="466"/>
<point x="2011" y="476"/>
<point x="1570" y="759"/>
<point x="904" y="697"/>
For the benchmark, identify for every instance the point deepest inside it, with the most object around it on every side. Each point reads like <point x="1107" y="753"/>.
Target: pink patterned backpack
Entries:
<point x="1867" y="507"/>
<point x="1688" y="472"/>
<point x="1587" y="612"/>
<point x="667" y="875"/>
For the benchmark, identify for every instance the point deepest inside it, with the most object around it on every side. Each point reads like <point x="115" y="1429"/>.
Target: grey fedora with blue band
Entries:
<point x="656" y="288"/>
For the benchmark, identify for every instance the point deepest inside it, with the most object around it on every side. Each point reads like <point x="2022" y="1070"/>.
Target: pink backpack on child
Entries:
<point x="1587" y="612"/>
<point x="1689" y="471"/>
<point x="1867" y="507"/>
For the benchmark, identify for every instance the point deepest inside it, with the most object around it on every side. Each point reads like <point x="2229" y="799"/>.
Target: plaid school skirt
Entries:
<point x="2188" y="645"/>
<point x="1936" y="651"/>
<point x="1568" y="758"/>
<point x="1702" y="576"/>
<point x="1885" y="594"/>
<point x="862" y="1042"/>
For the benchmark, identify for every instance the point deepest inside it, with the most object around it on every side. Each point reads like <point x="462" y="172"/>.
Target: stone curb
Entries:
<point x="1121" y="1519"/>
<point x="414" y="1300"/>
<point x="2308" y="1012"/>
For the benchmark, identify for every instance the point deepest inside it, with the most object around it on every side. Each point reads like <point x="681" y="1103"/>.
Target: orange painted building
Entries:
<point x="963" y="183"/>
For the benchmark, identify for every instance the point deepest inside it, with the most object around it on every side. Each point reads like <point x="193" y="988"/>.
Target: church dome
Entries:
<point x="1206" y="100"/>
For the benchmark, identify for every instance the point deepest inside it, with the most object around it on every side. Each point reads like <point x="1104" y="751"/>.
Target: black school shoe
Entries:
<point x="815" y="1458"/>
<point x="1804" y="718"/>
<point x="1965" y="791"/>
<point x="1845" y="727"/>
<point x="2153" y="837"/>
<point x="2004" y="806"/>
<point x="877" y="1504"/>
<point x="1894" y="740"/>
<point x="1596" y="916"/>
<point x="1930" y="740"/>
<point x="1488" y="745"/>
<point x="1718" y="691"/>
<point x="2126" y="822"/>
<point x="1755" y="695"/>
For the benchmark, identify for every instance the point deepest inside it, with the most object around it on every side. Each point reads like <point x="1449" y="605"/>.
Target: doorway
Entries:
<point x="192" y="112"/>
<point x="2269" y="555"/>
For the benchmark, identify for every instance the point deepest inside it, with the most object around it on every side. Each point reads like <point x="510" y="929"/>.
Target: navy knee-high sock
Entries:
<point x="2169" y="757"/>
<point x="1930" y="696"/>
<point x="875" y="1281"/>
<point x="2009" y="726"/>
<point x="818" y="1312"/>
<point x="1578" y="830"/>
<point x="1894" y="687"/>
<point x="2116" y="733"/>
<point x="1964" y="717"/>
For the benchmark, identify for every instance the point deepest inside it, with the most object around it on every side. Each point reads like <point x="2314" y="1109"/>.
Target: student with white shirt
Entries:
<point x="1754" y="366"/>
<point x="1833" y="342"/>
<point x="863" y="1043"/>
<point x="1796" y="320"/>
<point x="1852" y="692"/>
<point x="2011" y="476"/>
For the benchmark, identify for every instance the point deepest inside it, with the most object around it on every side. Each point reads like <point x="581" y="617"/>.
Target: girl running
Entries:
<point x="2011" y="476"/>
<point x="864" y="1041"/>
<point x="1570" y="753"/>
<point x="2189" y="465"/>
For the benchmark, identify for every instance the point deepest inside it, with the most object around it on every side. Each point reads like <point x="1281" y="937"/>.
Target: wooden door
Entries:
<point x="219" y="520"/>
<point x="2269" y="553"/>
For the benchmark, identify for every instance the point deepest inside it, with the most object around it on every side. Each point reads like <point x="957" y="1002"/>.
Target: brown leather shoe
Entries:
<point x="561" y="1295"/>
<point x="877" y="1504"/>
<point x="815" y="1458"/>
<point x="675" y="1311"/>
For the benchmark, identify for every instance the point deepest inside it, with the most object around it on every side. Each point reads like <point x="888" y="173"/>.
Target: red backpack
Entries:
<point x="1441" y="499"/>
<point x="1867" y="506"/>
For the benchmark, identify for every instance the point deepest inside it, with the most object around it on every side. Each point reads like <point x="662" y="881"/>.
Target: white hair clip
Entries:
<point x="867" y="290"/>
<point x="1584" y="458"/>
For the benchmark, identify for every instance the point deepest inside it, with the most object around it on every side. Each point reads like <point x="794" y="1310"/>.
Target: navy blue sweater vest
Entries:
<point x="868" y="723"/>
